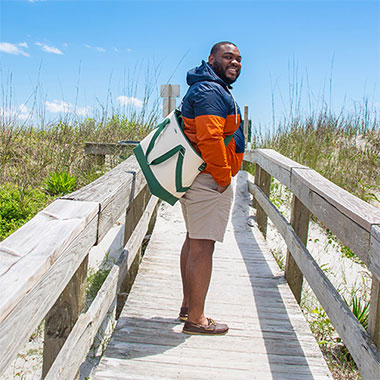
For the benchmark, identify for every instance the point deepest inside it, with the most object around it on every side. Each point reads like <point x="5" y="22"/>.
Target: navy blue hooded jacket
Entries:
<point x="210" y="114"/>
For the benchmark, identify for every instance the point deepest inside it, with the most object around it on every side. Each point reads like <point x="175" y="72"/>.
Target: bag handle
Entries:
<point x="159" y="129"/>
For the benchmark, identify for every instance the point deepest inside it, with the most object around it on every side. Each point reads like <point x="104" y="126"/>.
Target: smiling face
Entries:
<point x="226" y="62"/>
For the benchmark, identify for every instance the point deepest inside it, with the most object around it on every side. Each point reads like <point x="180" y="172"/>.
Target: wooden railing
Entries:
<point x="43" y="268"/>
<point x="43" y="265"/>
<point x="353" y="221"/>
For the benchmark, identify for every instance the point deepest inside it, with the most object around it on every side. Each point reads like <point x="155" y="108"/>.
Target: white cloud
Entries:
<point x="9" y="48"/>
<point x="82" y="111"/>
<point x="21" y="112"/>
<point x="97" y="48"/>
<point x="49" y="49"/>
<point x="57" y="106"/>
<point x="116" y="50"/>
<point x="125" y="100"/>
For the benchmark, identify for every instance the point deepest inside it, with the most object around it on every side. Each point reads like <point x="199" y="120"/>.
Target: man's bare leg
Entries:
<point x="197" y="276"/>
<point x="184" y="256"/>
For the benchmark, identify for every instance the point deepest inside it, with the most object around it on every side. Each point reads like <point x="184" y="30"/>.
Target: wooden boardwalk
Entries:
<point x="268" y="338"/>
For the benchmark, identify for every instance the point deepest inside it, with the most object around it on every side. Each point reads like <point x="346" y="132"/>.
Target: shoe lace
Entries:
<point x="211" y="321"/>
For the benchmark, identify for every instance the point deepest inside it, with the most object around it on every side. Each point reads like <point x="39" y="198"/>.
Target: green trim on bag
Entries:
<point x="159" y="129"/>
<point x="178" y="173"/>
<point x="228" y="139"/>
<point x="178" y="169"/>
<point x="167" y="155"/>
<point x="154" y="185"/>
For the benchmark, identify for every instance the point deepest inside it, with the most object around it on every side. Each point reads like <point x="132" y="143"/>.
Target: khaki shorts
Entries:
<point x="205" y="210"/>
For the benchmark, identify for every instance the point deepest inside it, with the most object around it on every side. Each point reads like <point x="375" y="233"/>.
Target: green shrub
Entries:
<point x="360" y="309"/>
<point x="60" y="183"/>
<point x="17" y="206"/>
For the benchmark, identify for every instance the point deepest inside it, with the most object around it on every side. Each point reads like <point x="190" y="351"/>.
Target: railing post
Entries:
<point x="262" y="179"/>
<point x="300" y="222"/>
<point x="374" y="314"/>
<point x="61" y="318"/>
<point x="246" y="123"/>
<point x="374" y="311"/>
<point x="132" y="216"/>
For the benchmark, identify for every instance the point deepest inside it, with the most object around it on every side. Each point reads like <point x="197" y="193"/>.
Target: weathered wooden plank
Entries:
<point x="227" y="362"/>
<point x="26" y="314"/>
<point x="111" y="368"/>
<point x="263" y="366"/>
<point x="83" y="334"/>
<point x="374" y="315"/>
<point x="361" y="212"/>
<point x="39" y="243"/>
<point x="132" y="216"/>
<point x="353" y="235"/>
<point x="134" y="212"/>
<point x="264" y="180"/>
<point x="199" y="356"/>
<point x="374" y="252"/>
<point x="299" y="220"/>
<point x="285" y="169"/>
<point x="61" y="318"/>
<point x="136" y="239"/>
<point x="108" y="148"/>
<point x="350" y="330"/>
<point x="274" y="163"/>
<point x="277" y="344"/>
<point x="246" y="125"/>
<point x="114" y="191"/>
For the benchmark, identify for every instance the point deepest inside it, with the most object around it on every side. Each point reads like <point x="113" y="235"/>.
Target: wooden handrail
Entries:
<point x="40" y="259"/>
<point x="80" y="340"/>
<point x="357" y="225"/>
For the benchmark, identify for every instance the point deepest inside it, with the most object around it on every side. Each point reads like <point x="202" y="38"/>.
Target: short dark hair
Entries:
<point x="217" y="46"/>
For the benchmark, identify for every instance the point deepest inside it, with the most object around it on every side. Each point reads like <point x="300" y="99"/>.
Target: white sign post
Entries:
<point x="169" y="92"/>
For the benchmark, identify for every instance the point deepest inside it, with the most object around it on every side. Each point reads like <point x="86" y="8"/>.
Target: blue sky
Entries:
<point x="85" y="55"/>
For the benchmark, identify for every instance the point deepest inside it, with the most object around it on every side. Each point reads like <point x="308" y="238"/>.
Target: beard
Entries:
<point x="220" y="72"/>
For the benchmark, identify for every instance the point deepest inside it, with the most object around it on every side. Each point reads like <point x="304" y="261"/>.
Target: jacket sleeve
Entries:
<point x="210" y="117"/>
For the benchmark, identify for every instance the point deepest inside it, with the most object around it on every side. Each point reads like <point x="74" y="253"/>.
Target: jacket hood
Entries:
<point x="204" y="72"/>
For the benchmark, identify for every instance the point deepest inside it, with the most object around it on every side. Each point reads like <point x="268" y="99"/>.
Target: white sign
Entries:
<point x="169" y="90"/>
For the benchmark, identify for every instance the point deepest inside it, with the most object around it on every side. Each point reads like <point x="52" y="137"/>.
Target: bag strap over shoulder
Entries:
<point x="159" y="129"/>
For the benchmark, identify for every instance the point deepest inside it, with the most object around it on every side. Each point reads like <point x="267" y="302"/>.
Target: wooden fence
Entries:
<point x="353" y="221"/>
<point x="43" y="268"/>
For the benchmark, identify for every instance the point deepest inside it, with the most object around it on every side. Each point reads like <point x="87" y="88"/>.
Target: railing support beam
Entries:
<point x="262" y="179"/>
<point x="374" y="312"/>
<point x="132" y="217"/>
<point x="299" y="220"/>
<point x="374" y="315"/>
<point x="63" y="315"/>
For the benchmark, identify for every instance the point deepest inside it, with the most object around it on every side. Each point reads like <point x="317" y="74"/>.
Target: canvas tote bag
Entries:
<point x="168" y="160"/>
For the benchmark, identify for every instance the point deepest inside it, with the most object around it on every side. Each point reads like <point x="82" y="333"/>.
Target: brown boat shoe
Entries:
<point x="183" y="313"/>
<point x="212" y="328"/>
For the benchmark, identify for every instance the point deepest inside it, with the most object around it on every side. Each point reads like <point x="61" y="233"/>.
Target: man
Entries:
<point x="213" y="125"/>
